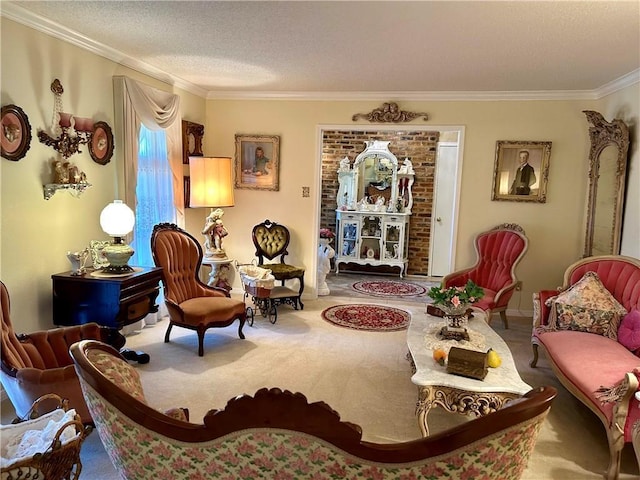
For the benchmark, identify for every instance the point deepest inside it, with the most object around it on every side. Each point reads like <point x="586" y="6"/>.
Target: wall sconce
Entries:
<point x="212" y="186"/>
<point x="68" y="131"/>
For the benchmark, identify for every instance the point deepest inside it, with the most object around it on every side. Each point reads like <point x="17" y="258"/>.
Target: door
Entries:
<point x="444" y="210"/>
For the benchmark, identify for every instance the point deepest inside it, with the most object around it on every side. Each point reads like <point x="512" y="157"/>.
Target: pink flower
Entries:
<point x="455" y="301"/>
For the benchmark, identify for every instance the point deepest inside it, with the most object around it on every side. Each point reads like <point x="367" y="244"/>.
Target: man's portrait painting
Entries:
<point x="521" y="171"/>
<point x="257" y="162"/>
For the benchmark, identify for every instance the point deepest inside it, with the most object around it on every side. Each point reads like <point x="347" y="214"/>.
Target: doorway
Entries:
<point x="426" y="238"/>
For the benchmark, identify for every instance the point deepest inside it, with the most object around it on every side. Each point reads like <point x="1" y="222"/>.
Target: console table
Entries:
<point x="113" y="301"/>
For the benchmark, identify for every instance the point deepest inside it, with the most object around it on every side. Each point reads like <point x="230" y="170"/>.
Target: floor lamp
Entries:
<point x="212" y="186"/>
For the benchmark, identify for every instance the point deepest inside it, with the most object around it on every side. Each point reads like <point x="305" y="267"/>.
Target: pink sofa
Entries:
<point x="592" y="365"/>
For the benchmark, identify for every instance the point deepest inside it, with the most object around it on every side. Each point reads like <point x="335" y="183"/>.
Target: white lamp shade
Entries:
<point x="117" y="219"/>
<point x="211" y="182"/>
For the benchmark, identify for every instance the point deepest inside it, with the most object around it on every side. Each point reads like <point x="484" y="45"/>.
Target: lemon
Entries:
<point x="493" y="359"/>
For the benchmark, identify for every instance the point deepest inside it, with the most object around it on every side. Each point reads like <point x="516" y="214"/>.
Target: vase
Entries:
<point x="455" y="316"/>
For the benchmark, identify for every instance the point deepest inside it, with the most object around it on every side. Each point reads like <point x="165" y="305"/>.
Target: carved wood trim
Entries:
<point x="389" y="113"/>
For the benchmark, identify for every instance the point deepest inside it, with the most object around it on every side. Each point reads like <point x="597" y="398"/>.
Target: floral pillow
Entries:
<point x="586" y="306"/>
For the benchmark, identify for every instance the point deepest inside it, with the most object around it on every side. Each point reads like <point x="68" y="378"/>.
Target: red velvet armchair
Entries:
<point x="498" y="252"/>
<point x="39" y="363"/>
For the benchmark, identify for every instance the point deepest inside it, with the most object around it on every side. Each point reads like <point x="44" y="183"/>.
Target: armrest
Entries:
<point x="503" y="295"/>
<point x="540" y="309"/>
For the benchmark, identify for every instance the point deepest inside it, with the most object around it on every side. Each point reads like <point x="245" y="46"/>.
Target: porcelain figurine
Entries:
<point x="78" y="260"/>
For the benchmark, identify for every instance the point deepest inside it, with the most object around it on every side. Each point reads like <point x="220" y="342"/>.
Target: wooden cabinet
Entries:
<point x="112" y="301"/>
<point x="367" y="238"/>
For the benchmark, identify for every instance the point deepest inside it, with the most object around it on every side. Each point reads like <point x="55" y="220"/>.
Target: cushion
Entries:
<point x="586" y="306"/>
<point x="629" y="331"/>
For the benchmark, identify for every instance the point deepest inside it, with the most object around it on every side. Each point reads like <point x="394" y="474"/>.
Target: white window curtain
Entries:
<point x="154" y="193"/>
<point x="137" y="104"/>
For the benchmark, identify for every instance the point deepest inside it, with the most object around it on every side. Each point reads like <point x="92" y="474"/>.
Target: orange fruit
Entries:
<point x="439" y="355"/>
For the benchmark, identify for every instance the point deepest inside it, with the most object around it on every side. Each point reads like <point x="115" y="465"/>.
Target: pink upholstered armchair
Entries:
<point x="498" y="252"/>
<point x="278" y="434"/>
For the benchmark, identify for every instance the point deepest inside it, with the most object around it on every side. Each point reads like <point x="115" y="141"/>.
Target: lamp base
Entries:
<point x="118" y="269"/>
<point x="118" y="254"/>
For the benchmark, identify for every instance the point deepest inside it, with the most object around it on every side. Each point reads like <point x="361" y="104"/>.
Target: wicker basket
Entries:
<point x="257" y="282"/>
<point x="59" y="461"/>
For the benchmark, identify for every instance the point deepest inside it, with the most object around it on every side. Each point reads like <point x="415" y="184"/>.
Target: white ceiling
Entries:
<point x="345" y="49"/>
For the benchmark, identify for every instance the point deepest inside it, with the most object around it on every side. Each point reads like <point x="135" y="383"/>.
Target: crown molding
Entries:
<point x="46" y="26"/>
<point x="625" y="81"/>
<point x="406" y="96"/>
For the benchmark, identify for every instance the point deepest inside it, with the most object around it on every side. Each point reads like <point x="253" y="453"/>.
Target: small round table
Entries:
<point x="222" y="272"/>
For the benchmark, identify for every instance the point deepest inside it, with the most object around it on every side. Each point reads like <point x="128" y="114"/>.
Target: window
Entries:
<point x="154" y="192"/>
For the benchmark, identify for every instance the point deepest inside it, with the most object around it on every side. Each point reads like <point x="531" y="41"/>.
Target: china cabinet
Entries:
<point x="374" y="207"/>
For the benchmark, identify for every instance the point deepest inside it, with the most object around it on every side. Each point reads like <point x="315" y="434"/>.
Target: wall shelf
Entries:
<point x="75" y="189"/>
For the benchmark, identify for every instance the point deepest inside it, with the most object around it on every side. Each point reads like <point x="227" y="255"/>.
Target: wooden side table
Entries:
<point x="110" y="300"/>
<point x="222" y="272"/>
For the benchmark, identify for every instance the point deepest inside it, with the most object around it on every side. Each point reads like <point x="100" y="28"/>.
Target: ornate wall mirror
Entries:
<point x="607" y="176"/>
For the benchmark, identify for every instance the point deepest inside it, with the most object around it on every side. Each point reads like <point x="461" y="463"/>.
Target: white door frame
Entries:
<point x="460" y="129"/>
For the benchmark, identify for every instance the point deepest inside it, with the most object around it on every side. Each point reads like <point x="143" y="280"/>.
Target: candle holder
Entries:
<point x="68" y="132"/>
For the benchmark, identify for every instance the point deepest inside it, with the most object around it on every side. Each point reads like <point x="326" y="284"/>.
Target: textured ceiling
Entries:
<point x="351" y="47"/>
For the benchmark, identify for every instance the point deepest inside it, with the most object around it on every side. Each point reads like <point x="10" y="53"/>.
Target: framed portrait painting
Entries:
<point x="15" y="134"/>
<point x="521" y="171"/>
<point x="257" y="162"/>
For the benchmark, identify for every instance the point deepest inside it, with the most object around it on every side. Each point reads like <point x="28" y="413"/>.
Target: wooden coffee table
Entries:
<point x="455" y="393"/>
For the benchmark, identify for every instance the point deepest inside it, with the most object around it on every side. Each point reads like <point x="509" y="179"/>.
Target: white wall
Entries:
<point x="625" y="105"/>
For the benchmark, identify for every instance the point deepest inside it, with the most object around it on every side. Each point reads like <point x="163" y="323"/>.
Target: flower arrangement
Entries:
<point x="456" y="297"/>
<point x="326" y="233"/>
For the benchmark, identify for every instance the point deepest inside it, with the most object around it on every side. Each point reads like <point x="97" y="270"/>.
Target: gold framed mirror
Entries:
<point x="607" y="177"/>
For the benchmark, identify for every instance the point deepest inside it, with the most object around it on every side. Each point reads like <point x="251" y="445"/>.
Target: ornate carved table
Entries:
<point x="455" y="393"/>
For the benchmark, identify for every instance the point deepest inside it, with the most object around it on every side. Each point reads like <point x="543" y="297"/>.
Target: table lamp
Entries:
<point x="117" y="220"/>
<point x="212" y="186"/>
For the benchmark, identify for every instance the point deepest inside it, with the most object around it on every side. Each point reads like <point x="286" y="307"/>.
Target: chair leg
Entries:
<point x="243" y="318"/>
<point x="166" y="335"/>
<point x="503" y="316"/>
<point x="534" y="360"/>
<point x="201" y="342"/>
<point x="300" y="292"/>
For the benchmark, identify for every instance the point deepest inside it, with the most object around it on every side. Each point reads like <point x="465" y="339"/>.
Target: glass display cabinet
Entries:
<point x="374" y="207"/>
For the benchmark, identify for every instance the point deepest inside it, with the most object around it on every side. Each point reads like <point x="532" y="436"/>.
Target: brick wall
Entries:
<point x="420" y="147"/>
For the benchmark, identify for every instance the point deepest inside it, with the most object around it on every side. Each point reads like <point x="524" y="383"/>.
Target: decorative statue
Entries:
<point x="344" y="165"/>
<point x="325" y="254"/>
<point x="214" y="232"/>
<point x="407" y="167"/>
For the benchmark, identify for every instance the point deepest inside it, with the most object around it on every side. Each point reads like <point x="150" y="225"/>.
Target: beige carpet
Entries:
<point x="362" y="375"/>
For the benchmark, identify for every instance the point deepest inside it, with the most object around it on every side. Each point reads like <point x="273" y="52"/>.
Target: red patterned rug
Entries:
<point x="387" y="288"/>
<point x="376" y="318"/>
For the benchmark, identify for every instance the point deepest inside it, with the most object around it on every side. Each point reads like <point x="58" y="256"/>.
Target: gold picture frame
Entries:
<point x="97" y="256"/>
<point x="257" y="162"/>
<point x="521" y="171"/>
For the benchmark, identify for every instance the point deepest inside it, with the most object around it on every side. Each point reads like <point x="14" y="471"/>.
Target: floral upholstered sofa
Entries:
<point x="590" y="331"/>
<point x="278" y="434"/>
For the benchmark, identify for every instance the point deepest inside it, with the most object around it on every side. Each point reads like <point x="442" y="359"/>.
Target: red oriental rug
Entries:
<point x="386" y="288"/>
<point x="376" y="318"/>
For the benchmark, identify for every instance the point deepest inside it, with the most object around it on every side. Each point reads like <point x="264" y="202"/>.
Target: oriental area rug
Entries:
<point x="388" y="288"/>
<point x="377" y="318"/>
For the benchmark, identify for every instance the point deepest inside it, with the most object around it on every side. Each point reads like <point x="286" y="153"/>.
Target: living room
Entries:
<point x="37" y="233"/>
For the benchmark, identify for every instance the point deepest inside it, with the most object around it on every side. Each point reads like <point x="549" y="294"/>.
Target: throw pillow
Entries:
<point x="629" y="331"/>
<point x="586" y="306"/>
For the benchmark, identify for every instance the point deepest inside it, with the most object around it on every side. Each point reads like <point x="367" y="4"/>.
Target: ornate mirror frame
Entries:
<point x="606" y="185"/>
